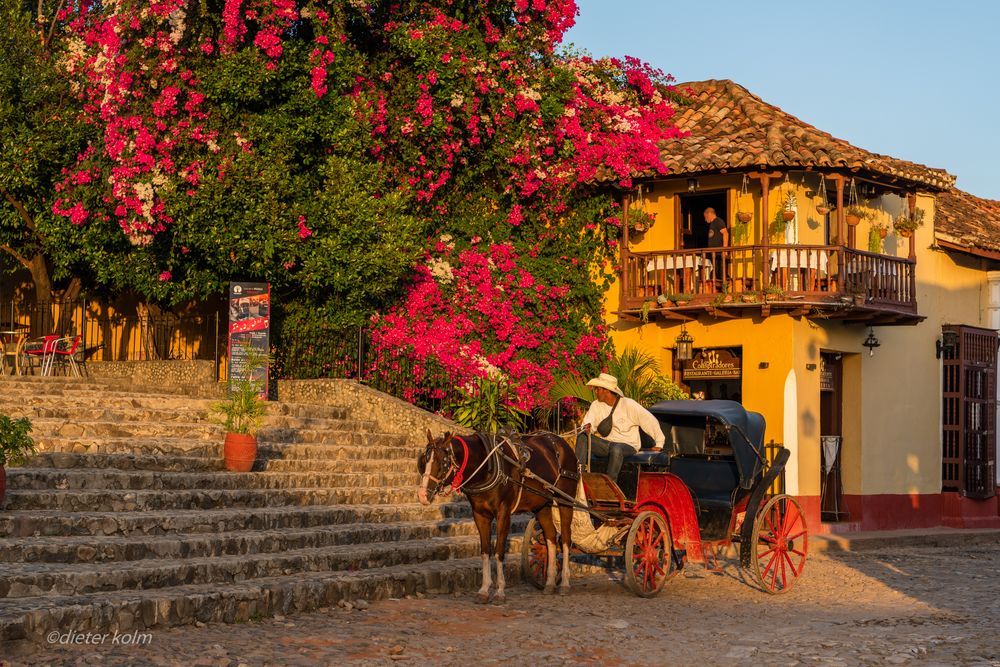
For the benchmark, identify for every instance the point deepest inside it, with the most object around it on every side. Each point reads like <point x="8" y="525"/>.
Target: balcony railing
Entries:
<point x="820" y="277"/>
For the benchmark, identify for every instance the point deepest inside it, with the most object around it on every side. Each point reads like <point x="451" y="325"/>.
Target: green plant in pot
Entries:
<point x="241" y="414"/>
<point x="16" y="446"/>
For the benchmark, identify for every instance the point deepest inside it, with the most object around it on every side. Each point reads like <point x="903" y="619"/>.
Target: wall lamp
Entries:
<point x="685" y="345"/>
<point x="692" y="184"/>
<point x="947" y="346"/>
<point x="871" y="342"/>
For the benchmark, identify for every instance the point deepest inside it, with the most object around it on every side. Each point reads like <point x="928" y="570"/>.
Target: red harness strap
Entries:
<point x="456" y="482"/>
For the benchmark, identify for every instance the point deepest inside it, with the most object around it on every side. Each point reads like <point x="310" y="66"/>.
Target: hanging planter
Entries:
<point x="823" y="207"/>
<point x="744" y="216"/>
<point x="905" y="226"/>
<point x="856" y="212"/>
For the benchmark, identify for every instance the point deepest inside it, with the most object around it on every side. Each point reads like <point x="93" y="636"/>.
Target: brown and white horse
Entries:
<point x="500" y="478"/>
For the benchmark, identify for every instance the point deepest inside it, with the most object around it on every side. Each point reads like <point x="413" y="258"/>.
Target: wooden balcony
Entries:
<point x="832" y="282"/>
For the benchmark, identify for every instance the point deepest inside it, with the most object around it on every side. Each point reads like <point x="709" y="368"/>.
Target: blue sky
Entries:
<point x="915" y="79"/>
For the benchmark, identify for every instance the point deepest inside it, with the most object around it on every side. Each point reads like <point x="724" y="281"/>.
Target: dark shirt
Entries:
<point x="715" y="228"/>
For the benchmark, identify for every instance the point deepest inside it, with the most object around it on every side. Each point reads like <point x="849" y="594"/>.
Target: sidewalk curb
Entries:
<point x="930" y="537"/>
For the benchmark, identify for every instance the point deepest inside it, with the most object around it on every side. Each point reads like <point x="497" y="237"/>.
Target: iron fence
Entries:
<point x="110" y="335"/>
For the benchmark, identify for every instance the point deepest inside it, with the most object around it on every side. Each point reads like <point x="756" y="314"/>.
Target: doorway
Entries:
<point x="831" y="424"/>
<point x="693" y="230"/>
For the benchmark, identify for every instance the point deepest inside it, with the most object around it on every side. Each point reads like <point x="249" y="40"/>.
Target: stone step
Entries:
<point x="102" y="549"/>
<point x="32" y="619"/>
<point x="78" y="390"/>
<point x="128" y="501"/>
<point x="44" y="479"/>
<point x="19" y="580"/>
<point x="70" y="460"/>
<point x="339" y="432"/>
<point x="357" y="446"/>
<point x="35" y="523"/>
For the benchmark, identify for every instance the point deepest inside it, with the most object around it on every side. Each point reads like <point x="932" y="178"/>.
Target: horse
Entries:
<point x="500" y="477"/>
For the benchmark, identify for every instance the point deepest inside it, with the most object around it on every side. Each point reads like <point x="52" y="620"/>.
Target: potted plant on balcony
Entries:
<point x="773" y="293"/>
<point x="639" y="221"/>
<point x="241" y="414"/>
<point x="905" y="226"/>
<point x="876" y="233"/>
<point x="856" y="213"/>
<point x="788" y="212"/>
<point x="16" y="446"/>
<point x="681" y="299"/>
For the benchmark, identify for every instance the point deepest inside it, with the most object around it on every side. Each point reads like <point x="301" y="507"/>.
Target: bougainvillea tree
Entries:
<point x="347" y="150"/>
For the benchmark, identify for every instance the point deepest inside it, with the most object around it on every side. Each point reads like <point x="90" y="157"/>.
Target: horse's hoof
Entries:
<point x="564" y="590"/>
<point x="499" y="598"/>
<point x="483" y="598"/>
<point x="549" y="590"/>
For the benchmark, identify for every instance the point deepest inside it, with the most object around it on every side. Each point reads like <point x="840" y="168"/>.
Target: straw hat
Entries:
<point x="609" y="382"/>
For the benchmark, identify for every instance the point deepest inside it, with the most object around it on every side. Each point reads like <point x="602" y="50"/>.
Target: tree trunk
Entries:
<point x="146" y="337"/>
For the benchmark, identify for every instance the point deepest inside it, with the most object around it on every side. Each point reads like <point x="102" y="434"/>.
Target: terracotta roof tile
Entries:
<point x="731" y="128"/>
<point x="967" y="220"/>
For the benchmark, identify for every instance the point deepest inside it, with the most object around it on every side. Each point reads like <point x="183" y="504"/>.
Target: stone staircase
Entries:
<point x="127" y="521"/>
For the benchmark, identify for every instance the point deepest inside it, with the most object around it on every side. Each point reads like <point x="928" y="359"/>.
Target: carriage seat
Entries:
<point x="711" y="480"/>
<point x="647" y="458"/>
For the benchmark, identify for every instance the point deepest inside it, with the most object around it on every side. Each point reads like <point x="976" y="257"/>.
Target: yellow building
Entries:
<point x="855" y="304"/>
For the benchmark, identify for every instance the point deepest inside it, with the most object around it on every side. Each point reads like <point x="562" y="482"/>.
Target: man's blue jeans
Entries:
<point x="614" y="452"/>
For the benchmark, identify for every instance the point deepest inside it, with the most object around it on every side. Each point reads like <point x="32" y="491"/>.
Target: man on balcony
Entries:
<point x="718" y="237"/>
<point x="618" y="422"/>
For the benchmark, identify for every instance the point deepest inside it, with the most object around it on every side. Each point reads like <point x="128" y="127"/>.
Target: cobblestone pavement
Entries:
<point x="933" y="606"/>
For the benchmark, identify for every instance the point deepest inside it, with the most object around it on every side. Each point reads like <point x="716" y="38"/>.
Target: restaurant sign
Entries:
<point x="249" y="332"/>
<point x="713" y="365"/>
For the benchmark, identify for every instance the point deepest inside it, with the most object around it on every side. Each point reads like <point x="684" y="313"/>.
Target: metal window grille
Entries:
<point x="968" y="400"/>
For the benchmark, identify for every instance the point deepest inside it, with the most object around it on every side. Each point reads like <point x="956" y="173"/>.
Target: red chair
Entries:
<point x="37" y="352"/>
<point x="63" y="352"/>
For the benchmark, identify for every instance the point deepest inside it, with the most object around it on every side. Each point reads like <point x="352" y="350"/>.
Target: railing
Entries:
<point x="750" y="272"/>
<point x="118" y="337"/>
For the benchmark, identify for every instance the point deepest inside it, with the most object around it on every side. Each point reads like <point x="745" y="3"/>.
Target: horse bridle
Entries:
<point x="447" y="457"/>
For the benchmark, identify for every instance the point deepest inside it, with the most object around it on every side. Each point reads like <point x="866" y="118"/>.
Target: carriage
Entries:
<point x="708" y="490"/>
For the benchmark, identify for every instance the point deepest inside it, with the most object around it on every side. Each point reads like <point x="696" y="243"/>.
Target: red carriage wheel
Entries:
<point x="534" y="554"/>
<point x="648" y="554"/>
<point x="780" y="544"/>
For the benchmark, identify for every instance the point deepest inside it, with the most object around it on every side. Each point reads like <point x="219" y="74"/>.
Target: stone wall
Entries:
<point x="390" y="414"/>
<point x="198" y="375"/>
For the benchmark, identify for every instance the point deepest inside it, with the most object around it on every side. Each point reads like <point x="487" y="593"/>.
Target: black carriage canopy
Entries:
<point x="684" y="424"/>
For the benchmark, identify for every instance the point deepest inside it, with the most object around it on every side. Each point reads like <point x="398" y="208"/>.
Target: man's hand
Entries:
<point x="585" y="428"/>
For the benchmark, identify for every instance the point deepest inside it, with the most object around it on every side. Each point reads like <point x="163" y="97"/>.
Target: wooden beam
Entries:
<point x="720" y="313"/>
<point x="765" y="236"/>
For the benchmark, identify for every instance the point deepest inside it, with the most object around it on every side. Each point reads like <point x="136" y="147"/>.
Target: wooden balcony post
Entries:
<point x="765" y="234"/>
<point x="911" y="202"/>
<point x="839" y="180"/>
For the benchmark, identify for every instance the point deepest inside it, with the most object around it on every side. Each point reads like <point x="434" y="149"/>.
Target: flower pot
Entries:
<point x="787" y="215"/>
<point x="852" y="220"/>
<point x="239" y="452"/>
<point x="882" y="233"/>
<point x="905" y="233"/>
<point x="744" y="217"/>
<point x="749" y="298"/>
<point x="822" y="210"/>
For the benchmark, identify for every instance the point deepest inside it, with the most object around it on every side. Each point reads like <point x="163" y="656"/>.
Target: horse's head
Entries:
<point x="437" y="465"/>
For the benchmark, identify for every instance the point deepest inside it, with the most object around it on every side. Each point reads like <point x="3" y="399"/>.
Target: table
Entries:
<point x="804" y="266"/>
<point x="690" y="266"/>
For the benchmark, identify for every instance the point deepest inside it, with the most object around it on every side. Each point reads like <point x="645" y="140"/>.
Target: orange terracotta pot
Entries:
<point x="788" y="216"/>
<point x="852" y="220"/>
<point x="239" y="452"/>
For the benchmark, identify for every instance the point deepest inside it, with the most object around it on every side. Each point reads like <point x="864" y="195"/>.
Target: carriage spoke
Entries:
<point x="784" y="576"/>
<point x="790" y="564"/>
<point x="764" y="553"/>
<point x="797" y="535"/>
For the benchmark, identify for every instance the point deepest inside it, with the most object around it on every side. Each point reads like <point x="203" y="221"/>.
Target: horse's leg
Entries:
<point x="483" y="524"/>
<point x="566" y="522"/>
<point x="503" y="529"/>
<point x="544" y="516"/>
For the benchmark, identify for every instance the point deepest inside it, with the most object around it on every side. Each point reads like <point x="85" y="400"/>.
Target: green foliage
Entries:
<point x="487" y="407"/>
<point x="16" y="446"/>
<point x="639" y="377"/>
<point x="904" y="223"/>
<point x="875" y="238"/>
<point x="244" y="410"/>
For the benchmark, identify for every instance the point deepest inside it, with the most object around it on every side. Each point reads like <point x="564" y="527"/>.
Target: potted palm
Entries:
<point x="241" y="414"/>
<point x="16" y="446"/>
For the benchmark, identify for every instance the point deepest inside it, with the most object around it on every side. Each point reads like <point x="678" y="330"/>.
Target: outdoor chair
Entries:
<point x="35" y="353"/>
<point x="63" y="353"/>
<point x="12" y="354"/>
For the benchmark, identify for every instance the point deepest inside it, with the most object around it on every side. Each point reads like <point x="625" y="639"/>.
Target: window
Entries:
<point x="968" y="395"/>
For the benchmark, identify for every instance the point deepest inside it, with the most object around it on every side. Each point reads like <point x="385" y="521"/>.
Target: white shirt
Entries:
<point x="628" y="419"/>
